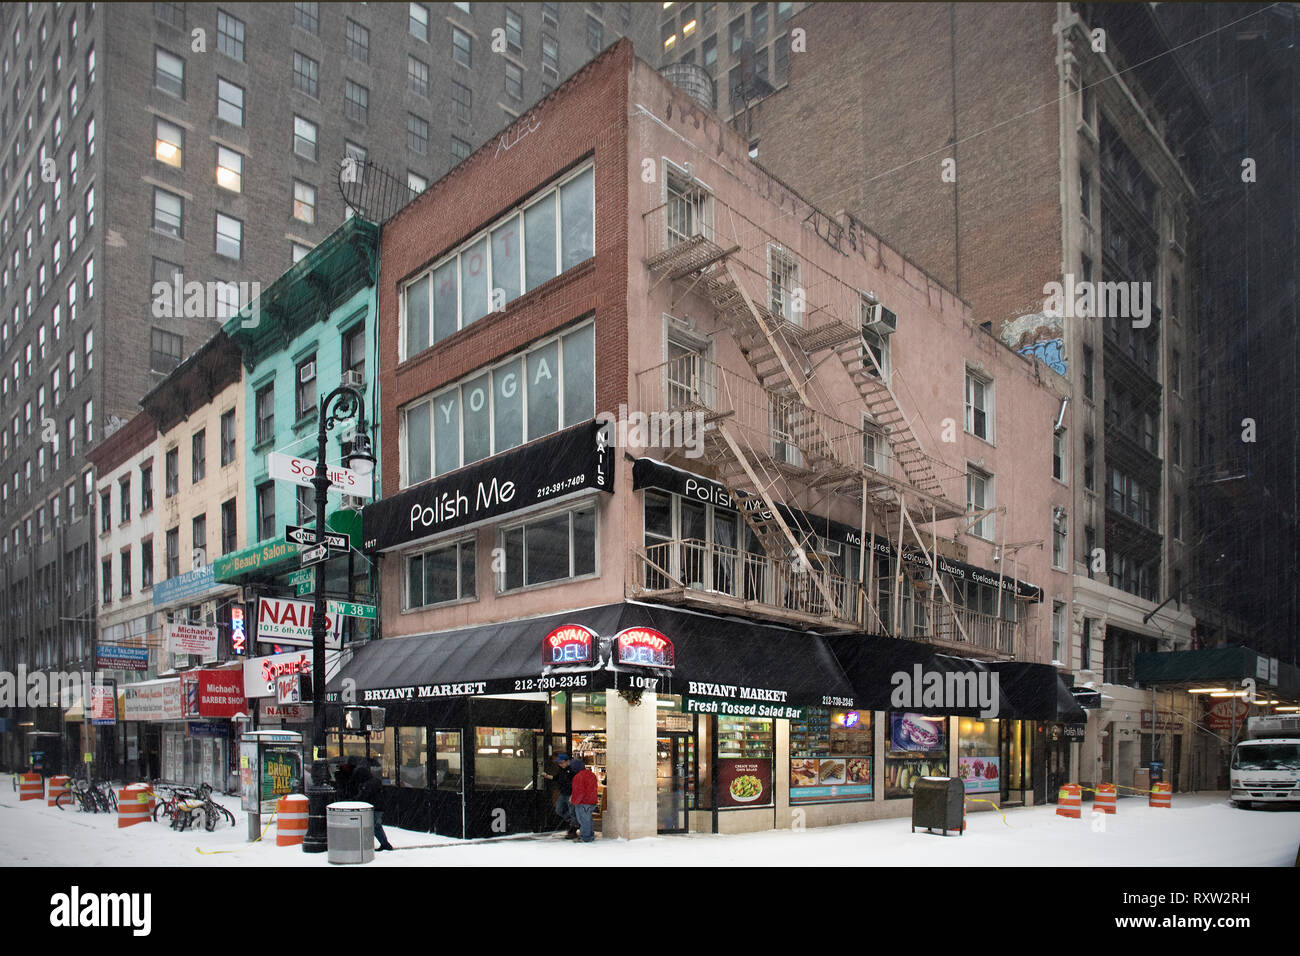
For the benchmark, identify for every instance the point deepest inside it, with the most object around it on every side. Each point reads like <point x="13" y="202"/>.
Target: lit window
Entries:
<point x="169" y="142"/>
<point x="230" y="169"/>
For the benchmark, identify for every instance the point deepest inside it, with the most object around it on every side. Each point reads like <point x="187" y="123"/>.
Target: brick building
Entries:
<point x="182" y="143"/>
<point x="1014" y="146"/>
<point x="616" y="261"/>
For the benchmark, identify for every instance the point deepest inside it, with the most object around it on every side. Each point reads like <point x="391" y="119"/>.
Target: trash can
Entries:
<point x="350" y="827"/>
<point x="939" y="803"/>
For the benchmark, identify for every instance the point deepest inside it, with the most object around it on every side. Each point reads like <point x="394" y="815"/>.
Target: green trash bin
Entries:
<point x="939" y="803"/>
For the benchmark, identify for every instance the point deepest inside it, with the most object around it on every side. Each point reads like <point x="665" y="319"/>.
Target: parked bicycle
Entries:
<point x="188" y="807"/>
<point x="88" y="796"/>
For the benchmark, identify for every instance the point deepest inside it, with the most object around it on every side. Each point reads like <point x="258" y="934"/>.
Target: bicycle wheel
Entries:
<point x="67" y="796"/>
<point x="223" y="814"/>
<point x="161" y="811"/>
<point x="112" y="797"/>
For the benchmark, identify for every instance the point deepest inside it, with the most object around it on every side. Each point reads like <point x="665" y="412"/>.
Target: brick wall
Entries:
<point x="583" y="118"/>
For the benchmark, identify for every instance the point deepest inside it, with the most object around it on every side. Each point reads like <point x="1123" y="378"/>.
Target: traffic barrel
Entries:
<point x="290" y="820"/>
<point x="1070" y="801"/>
<point x="134" y="805"/>
<point x="1162" y="795"/>
<point x="1105" y="801"/>
<point x="58" y="787"/>
<point x="31" y="786"/>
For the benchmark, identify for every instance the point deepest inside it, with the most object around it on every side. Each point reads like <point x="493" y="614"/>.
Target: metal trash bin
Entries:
<point x="939" y="803"/>
<point x="350" y="829"/>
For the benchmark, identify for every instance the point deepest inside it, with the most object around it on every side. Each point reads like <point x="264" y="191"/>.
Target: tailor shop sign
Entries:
<point x="574" y="460"/>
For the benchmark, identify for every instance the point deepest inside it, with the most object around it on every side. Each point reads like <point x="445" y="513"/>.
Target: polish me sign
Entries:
<point x="286" y="621"/>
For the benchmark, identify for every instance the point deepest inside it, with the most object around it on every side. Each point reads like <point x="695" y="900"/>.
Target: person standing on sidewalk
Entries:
<point x="563" y="779"/>
<point x="583" y="798"/>
<point x="368" y="791"/>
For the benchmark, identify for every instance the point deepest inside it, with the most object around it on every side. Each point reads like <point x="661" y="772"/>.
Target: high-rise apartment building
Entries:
<point x="1022" y="154"/>
<point x="200" y="146"/>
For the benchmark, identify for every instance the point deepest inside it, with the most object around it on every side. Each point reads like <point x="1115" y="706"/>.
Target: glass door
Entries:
<point x="675" y="780"/>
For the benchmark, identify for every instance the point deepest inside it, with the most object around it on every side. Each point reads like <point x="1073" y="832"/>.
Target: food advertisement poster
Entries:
<point x="901" y="775"/>
<point x="978" y="774"/>
<point x="744" y="782"/>
<point x="917" y="734"/>
<point x="830" y="779"/>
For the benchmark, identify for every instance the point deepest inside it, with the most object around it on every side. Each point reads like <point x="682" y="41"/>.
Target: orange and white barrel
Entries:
<point x="31" y="786"/>
<point x="1162" y="795"/>
<point x="1070" y="801"/>
<point x="1105" y="801"/>
<point x="57" y="788"/>
<point x="134" y="805"/>
<point x="290" y="820"/>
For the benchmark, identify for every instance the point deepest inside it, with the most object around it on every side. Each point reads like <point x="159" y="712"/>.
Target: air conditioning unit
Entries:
<point x="880" y="319"/>
<point x="307" y="373"/>
<point x="353" y="378"/>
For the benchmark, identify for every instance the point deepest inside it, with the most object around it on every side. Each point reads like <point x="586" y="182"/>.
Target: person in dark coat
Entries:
<point x="368" y="791"/>
<point x="563" y="779"/>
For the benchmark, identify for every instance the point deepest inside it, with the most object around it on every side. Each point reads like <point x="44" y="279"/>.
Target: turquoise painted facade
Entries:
<point x="314" y="310"/>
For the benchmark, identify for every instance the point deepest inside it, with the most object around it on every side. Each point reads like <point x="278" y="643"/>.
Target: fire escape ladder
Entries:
<point x="883" y="406"/>
<point x="741" y="479"/>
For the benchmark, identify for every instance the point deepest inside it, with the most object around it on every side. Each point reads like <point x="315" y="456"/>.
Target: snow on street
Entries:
<point x="1200" y="830"/>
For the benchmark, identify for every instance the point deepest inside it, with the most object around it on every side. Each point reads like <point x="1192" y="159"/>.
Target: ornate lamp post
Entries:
<point x="347" y="402"/>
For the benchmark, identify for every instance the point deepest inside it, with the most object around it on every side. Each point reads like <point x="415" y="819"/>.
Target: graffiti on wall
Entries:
<point x="1051" y="352"/>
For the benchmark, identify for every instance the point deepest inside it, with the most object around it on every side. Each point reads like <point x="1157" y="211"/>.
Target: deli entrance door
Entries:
<point x="674" y="780"/>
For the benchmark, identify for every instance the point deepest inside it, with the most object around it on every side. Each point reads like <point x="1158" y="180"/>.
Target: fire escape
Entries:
<point x="775" y="435"/>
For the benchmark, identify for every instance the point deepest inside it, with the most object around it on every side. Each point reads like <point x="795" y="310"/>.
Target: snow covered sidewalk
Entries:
<point x="1200" y="830"/>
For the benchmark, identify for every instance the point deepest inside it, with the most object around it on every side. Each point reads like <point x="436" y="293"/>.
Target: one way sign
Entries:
<point x="307" y="536"/>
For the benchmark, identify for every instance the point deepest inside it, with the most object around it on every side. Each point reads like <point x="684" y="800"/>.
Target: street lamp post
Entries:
<point x="348" y="402"/>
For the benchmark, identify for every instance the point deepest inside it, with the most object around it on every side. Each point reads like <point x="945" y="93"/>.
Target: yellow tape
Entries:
<point x="993" y="805"/>
<point x="258" y="840"/>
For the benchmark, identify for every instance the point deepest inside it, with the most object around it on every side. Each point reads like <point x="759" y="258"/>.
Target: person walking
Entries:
<point x="368" y="791"/>
<point x="563" y="780"/>
<point x="583" y="797"/>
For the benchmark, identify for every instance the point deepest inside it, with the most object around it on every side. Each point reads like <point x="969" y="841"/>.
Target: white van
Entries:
<point x="1266" y="765"/>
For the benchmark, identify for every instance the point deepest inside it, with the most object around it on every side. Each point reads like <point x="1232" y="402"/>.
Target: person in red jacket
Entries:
<point x="583" y="799"/>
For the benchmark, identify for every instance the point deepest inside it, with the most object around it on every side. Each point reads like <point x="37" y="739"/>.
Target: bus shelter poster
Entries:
<point x="281" y="775"/>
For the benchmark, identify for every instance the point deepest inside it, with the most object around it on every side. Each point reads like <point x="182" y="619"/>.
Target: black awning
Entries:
<point x="1038" y="692"/>
<point x="886" y="671"/>
<point x="715" y="656"/>
<point x="742" y="655"/>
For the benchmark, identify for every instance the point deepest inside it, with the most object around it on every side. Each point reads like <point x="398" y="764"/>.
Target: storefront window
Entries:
<point x="916" y="747"/>
<point x="385" y="749"/>
<point x="745" y="751"/>
<point x="588" y="712"/>
<point x="977" y="755"/>
<point x="831" y="756"/>
<point x="412" y="753"/>
<point x="503" y="758"/>
<point x="447" y="760"/>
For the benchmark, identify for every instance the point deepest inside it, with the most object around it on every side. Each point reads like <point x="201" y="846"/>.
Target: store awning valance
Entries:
<point x="1215" y="665"/>
<point x="714" y="657"/>
<point x="886" y="672"/>
<point x="1038" y="692"/>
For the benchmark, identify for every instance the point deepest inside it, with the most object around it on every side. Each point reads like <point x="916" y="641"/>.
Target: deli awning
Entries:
<point x="884" y="670"/>
<point x="715" y="657"/>
<point x="1038" y="692"/>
